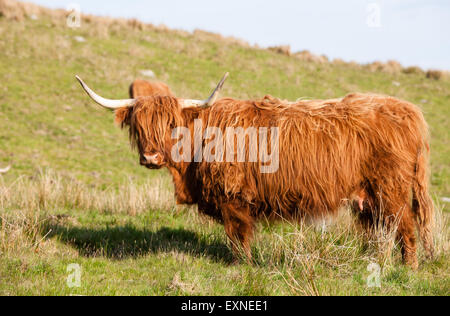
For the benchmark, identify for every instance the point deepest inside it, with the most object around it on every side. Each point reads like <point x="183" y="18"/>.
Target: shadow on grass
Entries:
<point x="124" y="242"/>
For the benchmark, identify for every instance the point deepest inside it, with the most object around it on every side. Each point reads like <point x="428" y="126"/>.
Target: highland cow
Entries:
<point x="142" y="88"/>
<point x="369" y="146"/>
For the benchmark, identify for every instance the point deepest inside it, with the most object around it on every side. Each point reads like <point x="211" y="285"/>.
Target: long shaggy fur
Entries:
<point x="142" y="88"/>
<point x="329" y="149"/>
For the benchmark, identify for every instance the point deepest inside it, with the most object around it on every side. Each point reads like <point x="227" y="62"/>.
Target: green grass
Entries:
<point x="74" y="192"/>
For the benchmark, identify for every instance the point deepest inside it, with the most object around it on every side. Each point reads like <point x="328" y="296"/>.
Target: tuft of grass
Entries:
<point x="50" y="190"/>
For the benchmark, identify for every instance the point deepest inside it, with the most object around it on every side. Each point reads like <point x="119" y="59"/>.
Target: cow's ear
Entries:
<point x="123" y="116"/>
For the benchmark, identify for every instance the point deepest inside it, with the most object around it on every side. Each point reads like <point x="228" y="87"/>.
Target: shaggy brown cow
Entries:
<point x="329" y="150"/>
<point x="142" y="88"/>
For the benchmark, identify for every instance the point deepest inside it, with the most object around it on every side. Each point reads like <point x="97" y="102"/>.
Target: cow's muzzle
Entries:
<point x="154" y="161"/>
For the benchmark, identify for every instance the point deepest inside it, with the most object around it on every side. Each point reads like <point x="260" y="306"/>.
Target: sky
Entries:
<point x="413" y="32"/>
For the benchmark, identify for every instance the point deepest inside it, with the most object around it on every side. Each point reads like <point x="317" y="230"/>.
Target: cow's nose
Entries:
<point x="152" y="159"/>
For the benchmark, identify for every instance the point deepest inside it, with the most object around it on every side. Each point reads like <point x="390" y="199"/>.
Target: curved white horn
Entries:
<point x="5" y="170"/>
<point x="216" y="91"/>
<point x="208" y="102"/>
<point x="106" y="103"/>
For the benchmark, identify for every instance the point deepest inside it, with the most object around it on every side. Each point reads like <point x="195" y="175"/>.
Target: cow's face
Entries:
<point x="150" y="154"/>
<point x="150" y="122"/>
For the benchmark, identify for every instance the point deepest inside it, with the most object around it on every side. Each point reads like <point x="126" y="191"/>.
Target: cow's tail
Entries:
<point x="422" y="203"/>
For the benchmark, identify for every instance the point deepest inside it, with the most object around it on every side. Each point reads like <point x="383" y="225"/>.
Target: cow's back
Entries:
<point x="325" y="150"/>
<point x="142" y="88"/>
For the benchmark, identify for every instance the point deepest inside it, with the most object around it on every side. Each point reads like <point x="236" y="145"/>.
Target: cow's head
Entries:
<point x="143" y="88"/>
<point x="150" y="121"/>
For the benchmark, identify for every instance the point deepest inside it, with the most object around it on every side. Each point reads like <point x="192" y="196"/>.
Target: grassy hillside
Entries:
<point x="76" y="193"/>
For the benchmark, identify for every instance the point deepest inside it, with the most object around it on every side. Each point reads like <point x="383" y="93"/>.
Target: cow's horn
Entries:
<point x="106" y="103"/>
<point x="208" y="102"/>
<point x="5" y="170"/>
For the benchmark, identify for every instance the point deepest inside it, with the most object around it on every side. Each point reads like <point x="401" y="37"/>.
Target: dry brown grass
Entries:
<point x="19" y="230"/>
<point x="435" y="74"/>
<point x="48" y="190"/>
<point x="15" y="10"/>
<point x="224" y="40"/>
<point x="340" y="245"/>
<point x="25" y="204"/>
<point x="441" y="231"/>
<point x="394" y="67"/>
<point x="335" y="245"/>
<point x="413" y="70"/>
<point x="283" y="50"/>
<point x="309" y="57"/>
<point x="382" y="240"/>
<point x="391" y="67"/>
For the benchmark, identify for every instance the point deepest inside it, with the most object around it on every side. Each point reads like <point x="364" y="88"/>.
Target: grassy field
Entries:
<point x="77" y="195"/>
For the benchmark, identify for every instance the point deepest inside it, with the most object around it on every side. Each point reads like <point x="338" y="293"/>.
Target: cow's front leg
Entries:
<point x="238" y="227"/>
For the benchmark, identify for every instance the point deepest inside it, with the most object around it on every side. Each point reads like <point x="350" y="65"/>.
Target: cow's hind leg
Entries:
<point x="397" y="210"/>
<point x="386" y="210"/>
<point x="422" y="203"/>
<point x="407" y="237"/>
<point x="238" y="227"/>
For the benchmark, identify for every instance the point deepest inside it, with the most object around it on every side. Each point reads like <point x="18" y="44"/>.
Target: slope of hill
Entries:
<point x="76" y="193"/>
